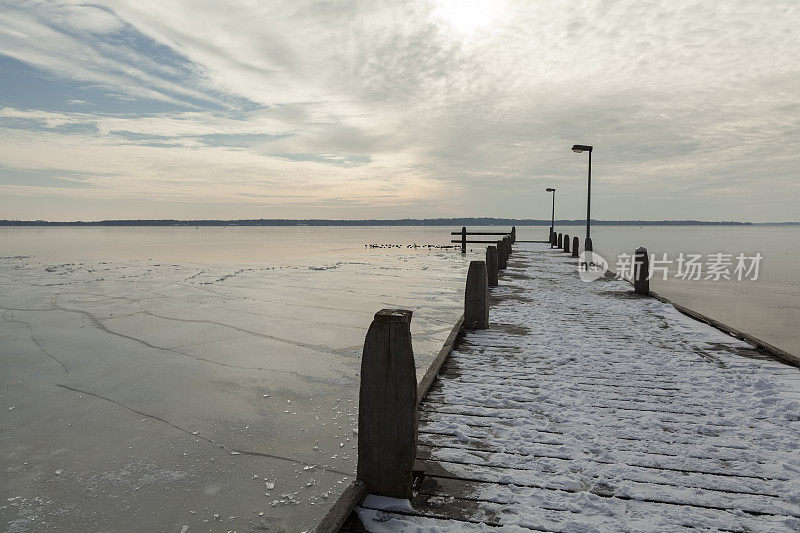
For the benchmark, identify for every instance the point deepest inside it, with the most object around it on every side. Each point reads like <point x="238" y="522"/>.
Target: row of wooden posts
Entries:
<point x="561" y="240"/>
<point x="389" y="395"/>
<point x="388" y="399"/>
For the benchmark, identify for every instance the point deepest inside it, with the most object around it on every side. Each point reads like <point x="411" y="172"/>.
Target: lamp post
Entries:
<point x="578" y="149"/>
<point x="553" y="215"/>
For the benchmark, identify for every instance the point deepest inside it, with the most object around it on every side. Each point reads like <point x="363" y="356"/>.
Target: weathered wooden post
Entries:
<point x="491" y="265"/>
<point x="587" y="245"/>
<point x="476" y="297"/>
<point x="566" y="243"/>
<point x="387" y="406"/>
<point x="507" y="243"/>
<point x="560" y="242"/>
<point x="574" y="247"/>
<point x="513" y="234"/>
<point x="502" y="258"/>
<point x="463" y="239"/>
<point x="641" y="271"/>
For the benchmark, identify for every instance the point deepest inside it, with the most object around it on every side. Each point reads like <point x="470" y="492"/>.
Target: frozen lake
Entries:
<point x="156" y="378"/>
<point x="144" y="394"/>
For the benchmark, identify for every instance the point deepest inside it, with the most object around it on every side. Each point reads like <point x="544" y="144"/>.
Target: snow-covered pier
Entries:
<point x="585" y="407"/>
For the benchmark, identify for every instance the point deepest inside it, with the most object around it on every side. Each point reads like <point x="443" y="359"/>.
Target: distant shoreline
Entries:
<point x="390" y="222"/>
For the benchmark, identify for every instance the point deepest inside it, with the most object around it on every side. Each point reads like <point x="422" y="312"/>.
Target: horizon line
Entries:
<point x="376" y="222"/>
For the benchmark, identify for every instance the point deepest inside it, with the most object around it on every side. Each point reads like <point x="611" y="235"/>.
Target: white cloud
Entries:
<point x="83" y="17"/>
<point x="458" y="98"/>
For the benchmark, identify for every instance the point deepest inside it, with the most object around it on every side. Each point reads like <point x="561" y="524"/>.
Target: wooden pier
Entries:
<point x="588" y="407"/>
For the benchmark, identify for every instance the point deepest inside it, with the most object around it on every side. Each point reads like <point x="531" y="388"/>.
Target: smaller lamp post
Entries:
<point x="553" y="215"/>
<point x="578" y="149"/>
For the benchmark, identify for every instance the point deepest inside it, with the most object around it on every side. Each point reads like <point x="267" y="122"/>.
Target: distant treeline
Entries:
<point x="396" y="222"/>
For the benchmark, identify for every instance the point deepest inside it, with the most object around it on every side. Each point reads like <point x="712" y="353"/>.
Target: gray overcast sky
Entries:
<point x="372" y="109"/>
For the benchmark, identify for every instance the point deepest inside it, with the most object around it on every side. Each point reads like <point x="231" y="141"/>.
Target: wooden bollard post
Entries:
<point x="559" y="242"/>
<point x="587" y="245"/>
<point x="502" y="258"/>
<point x="491" y="265"/>
<point x="566" y="243"/>
<point x="476" y="297"/>
<point x="387" y="406"/>
<point x="513" y="234"/>
<point x="507" y="241"/>
<point x="575" y="243"/>
<point x="641" y="271"/>
<point x="550" y="235"/>
<point x="463" y="239"/>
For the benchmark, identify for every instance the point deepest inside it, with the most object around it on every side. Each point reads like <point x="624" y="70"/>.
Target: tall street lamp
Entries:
<point x="578" y="149"/>
<point x="553" y="215"/>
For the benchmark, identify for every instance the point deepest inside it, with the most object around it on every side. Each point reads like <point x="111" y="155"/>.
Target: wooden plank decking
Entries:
<point x="587" y="408"/>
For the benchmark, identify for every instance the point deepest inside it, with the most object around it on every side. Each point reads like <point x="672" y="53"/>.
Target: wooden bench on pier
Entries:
<point x="465" y="237"/>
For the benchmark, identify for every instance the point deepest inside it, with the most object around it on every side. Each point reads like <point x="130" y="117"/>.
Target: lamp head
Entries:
<point x="580" y="148"/>
<point x="550" y="190"/>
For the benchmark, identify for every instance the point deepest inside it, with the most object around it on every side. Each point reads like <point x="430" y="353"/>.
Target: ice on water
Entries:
<point x="151" y="395"/>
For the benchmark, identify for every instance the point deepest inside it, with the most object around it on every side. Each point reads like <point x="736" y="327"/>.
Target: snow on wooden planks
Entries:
<point x="585" y="407"/>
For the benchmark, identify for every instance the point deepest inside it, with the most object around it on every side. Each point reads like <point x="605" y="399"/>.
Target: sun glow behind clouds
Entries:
<point x="383" y="109"/>
<point x="467" y="17"/>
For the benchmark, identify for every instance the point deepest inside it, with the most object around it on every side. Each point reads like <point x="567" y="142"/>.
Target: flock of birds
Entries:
<point x="415" y="245"/>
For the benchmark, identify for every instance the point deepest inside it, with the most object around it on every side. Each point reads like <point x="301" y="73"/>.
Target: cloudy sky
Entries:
<point x="429" y="108"/>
